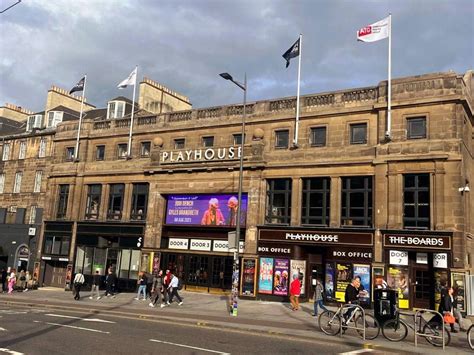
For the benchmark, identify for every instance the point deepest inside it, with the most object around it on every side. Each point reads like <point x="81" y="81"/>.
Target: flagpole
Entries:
<point x="388" y="133"/>
<point x="76" y="151"/>
<point x="129" y="154"/>
<point x="295" y="141"/>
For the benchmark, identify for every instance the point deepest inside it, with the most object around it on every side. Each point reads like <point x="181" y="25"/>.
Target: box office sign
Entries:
<point x="317" y="237"/>
<point x="442" y="242"/>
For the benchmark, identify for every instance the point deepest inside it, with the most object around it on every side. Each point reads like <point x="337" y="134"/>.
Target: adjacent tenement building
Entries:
<point x="345" y="201"/>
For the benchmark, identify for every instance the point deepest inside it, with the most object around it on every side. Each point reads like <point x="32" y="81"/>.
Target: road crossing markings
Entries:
<point x="83" y="319"/>
<point x="73" y="327"/>
<point x="188" y="346"/>
<point x="10" y="311"/>
<point x="8" y="351"/>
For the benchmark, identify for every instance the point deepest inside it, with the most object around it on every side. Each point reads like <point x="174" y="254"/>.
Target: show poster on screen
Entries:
<point x="329" y="282"/>
<point x="265" y="277"/>
<point x="363" y="271"/>
<point x="280" y="279"/>
<point x="207" y="210"/>
<point x="343" y="278"/>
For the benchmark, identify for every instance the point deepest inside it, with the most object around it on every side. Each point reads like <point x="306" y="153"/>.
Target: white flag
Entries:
<point x="131" y="79"/>
<point x="374" y="32"/>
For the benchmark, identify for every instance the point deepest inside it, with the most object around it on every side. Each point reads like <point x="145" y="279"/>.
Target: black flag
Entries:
<point x="293" y="52"/>
<point x="79" y="86"/>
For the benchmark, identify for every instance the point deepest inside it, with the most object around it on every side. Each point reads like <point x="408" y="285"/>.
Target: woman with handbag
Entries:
<point x="448" y="308"/>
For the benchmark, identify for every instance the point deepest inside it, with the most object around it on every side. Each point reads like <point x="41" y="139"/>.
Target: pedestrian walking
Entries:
<point x="110" y="283"/>
<point x="11" y="281"/>
<point x="318" y="297"/>
<point x="95" y="286"/>
<point x="166" y="284"/>
<point x="157" y="290"/>
<point x="78" y="282"/>
<point x="22" y="280"/>
<point x="27" y="281"/>
<point x="141" y="286"/>
<point x="149" y="284"/>
<point x="173" y="288"/>
<point x="295" y="291"/>
<point x="4" y="276"/>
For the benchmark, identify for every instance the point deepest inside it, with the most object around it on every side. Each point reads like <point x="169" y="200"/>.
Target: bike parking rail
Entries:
<point x="355" y="307"/>
<point x="418" y="314"/>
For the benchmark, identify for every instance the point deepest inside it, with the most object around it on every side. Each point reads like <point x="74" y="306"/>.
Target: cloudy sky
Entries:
<point x="185" y="44"/>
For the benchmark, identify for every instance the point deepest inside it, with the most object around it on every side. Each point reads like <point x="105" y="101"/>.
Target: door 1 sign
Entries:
<point x="398" y="257"/>
<point x="440" y="260"/>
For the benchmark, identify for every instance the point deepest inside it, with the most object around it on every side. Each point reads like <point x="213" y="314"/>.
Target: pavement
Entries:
<point x="212" y="311"/>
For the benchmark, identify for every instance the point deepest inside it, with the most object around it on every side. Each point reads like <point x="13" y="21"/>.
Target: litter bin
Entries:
<point x="385" y="304"/>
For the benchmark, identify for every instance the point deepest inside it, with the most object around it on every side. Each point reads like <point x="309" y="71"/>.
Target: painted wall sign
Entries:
<point x="199" y="155"/>
<point x="208" y="210"/>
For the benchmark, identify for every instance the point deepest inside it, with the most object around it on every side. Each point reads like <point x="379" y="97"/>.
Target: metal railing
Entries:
<point x="347" y="326"/>
<point x="418" y="315"/>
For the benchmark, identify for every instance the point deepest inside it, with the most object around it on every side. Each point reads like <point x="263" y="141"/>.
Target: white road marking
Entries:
<point x="83" y="319"/>
<point x="2" y="329"/>
<point x="9" y="311"/>
<point x="190" y="347"/>
<point x="361" y="351"/>
<point x="8" y="351"/>
<point x="73" y="327"/>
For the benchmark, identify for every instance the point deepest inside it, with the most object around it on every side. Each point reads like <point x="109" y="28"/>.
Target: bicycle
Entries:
<point x="397" y="329"/>
<point x="470" y="336"/>
<point x="330" y="322"/>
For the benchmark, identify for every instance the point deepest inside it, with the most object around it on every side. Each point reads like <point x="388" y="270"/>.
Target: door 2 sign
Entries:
<point x="398" y="257"/>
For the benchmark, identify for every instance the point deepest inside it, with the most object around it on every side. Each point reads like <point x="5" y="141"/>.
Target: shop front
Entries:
<point x="417" y="263"/>
<point x="333" y="256"/>
<point x="194" y="242"/>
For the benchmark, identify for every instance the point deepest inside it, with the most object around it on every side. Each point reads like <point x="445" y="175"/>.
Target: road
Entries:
<point x="48" y="331"/>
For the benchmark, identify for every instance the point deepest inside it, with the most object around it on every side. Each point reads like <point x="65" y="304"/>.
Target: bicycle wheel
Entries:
<point x="434" y="328"/>
<point x="372" y="327"/>
<point x="395" y="330"/>
<point x="470" y="336"/>
<point x="329" y="322"/>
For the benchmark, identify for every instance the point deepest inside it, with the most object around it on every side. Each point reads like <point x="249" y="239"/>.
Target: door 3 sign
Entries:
<point x="398" y="257"/>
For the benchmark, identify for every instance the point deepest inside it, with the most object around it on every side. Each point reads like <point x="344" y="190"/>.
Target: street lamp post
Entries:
<point x="235" y="274"/>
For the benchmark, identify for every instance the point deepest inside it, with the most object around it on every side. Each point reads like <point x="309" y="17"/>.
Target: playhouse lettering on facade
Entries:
<point x="193" y="155"/>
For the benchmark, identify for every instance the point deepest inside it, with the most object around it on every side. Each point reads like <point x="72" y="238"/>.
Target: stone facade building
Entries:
<point x="344" y="202"/>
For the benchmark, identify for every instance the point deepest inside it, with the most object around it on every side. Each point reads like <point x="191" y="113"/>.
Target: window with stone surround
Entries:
<point x="22" y="151"/>
<point x="282" y="139"/>
<point x="237" y="138"/>
<point x="17" y="185"/>
<point x="357" y="200"/>
<point x="62" y="201"/>
<point x="42" y="148"/>
<point x="6" y="151"/>
<point x="70" y="153"/>
<point x="115" y="109"/>
<point x="315" y="206"/>
<point x="93" y="201"/>
<point x="122" y="150"/>
<point x="278" y="209"/>
<point x="318" y="136"/>
<point x="358" y="133"/>
<point x="32" y="219"/>
<point x="208" y="141"/>
<point x="139" y="202"/>
<point x="114" y="210"/>
<point x="179" y="143"/>
<point x="145" y="149"/>
<point x="2" y="182"/>
<point x="38" y="178"/>
<point x="416" y="127"/>
<point x="100" y="152"/>
<point x="56" y="244"/>
<point x="416" y="201"/>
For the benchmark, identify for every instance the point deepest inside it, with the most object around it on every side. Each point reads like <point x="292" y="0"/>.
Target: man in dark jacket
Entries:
<point x="352" y="296"/>
<point x="4" y="280"/>
<point x="157" y="289"/>
<point x="110" y="282"/>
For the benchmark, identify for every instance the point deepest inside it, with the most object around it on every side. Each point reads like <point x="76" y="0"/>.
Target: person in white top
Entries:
<point x="78" y="282"/>
<point x="173" y="287"/>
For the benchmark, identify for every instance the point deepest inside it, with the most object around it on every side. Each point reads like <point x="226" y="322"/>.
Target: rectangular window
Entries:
<point x="111" y="112"/>
<point x="115" y="201"/>
<point x="62" y="201"/>
<point x="100" y="152"/>
<point x="120" y="110"/>
<point x="93" y="201"/>
<point x="69" y="153"/>
<point x="6" y="151"/>
<point x="122" y="151"/>
<point x="318" y="137"/>
<point x="17" y="185"/>
<point x="237" y="139"/>
<point x="316" y="201"/>
<point x="2" y="182"/>
<point x="282" y="139"/>
<point x="32" y="215"/>
<point x="38" y="178"/>
<point x="42" y="148"/>
<point x="278" y="201"/>
<point x="22" y="152"/>
<point x="139" y="202"/>
<point x="208" y="141"/>
<point x="356" y="206"/>
<point x="145" y="149"/>
<point x="56" y="245"/>
<point x="54" y="117"/>
<point x="416" y="127"/>
<point x="179" y="143"/>
<point x="416" y="201"/>
<point x="31" y="123"/>
<point x="358" y="133"/>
